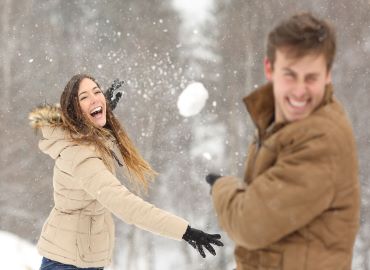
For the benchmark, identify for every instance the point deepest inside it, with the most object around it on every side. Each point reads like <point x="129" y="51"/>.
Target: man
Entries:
<point x="298" y="207"/>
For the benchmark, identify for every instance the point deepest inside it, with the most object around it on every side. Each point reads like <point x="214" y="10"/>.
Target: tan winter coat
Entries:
<point x="298" y="208"/>
<point x="80" y="229"/>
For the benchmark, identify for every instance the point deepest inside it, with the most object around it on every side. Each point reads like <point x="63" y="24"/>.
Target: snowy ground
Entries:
<point x="18" y="254"/>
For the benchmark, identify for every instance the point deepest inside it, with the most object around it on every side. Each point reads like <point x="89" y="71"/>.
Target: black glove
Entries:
<point x="197" y="239"/>
<point x="112" y="98"/>
<point x="212" y="178"/>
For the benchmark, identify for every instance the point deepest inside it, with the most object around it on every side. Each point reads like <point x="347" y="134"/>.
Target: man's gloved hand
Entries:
<point x="111" y="96"/>
<point x="212" y="178"/>
<point x="199" y="239"/>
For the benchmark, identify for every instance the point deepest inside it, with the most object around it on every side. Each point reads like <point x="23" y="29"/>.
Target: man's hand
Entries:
<point x="212" y="178"/>
<point x="199" y="239"/>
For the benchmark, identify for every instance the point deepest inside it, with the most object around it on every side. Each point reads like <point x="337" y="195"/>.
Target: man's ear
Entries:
<point x="268" y="69"/>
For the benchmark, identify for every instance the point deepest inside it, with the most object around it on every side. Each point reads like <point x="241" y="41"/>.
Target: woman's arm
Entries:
<point x="94" y="177"/>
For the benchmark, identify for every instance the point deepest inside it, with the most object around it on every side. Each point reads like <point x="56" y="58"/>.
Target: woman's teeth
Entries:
<point x="96" y="111"/>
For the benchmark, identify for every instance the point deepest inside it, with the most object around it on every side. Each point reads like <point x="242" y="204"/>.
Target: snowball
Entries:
<point x="207" y="156"/>
<point x="192" y="99"/>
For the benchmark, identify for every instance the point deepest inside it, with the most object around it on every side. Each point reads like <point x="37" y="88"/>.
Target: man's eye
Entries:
<point x="289" y="75"/>
<point x="311" y="79"/>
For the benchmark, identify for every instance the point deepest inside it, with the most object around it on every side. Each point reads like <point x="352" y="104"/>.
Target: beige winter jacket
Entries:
<point x="80" y="229"/>
<point x="298" y="208"/>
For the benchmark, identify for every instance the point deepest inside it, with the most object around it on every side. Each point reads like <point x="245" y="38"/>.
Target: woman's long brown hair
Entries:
<point x="82" y="130"/>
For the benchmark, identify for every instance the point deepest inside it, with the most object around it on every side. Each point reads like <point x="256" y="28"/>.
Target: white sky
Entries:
<point x="195" y="12"/>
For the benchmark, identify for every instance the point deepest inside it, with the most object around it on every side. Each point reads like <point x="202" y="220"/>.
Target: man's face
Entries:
<point x="299" y="84"/>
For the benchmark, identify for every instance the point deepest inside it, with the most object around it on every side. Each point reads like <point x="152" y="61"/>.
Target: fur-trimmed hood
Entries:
<point x="47" y="118"/>
<point x="45" y="115"/>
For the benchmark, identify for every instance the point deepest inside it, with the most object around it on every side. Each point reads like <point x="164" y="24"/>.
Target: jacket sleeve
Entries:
<point x="102" y="185"/>
<point x="286" y="197"/>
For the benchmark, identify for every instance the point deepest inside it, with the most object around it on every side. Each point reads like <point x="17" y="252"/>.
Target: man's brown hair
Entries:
<point x="303" y="34"/>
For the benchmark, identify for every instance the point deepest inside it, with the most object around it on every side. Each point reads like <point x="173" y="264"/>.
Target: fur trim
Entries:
<point x="45" y="115"/>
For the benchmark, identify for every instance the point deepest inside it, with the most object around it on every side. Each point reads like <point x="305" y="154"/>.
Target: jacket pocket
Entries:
<point x="94" y="247"/>
<point x="258" y="260"/>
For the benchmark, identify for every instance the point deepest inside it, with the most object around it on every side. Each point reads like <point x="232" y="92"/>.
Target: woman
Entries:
<point x="87" y="142"/>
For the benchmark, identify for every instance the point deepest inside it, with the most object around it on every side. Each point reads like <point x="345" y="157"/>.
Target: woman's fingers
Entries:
<point x="214" y="240"/>
<point x="201" y="251"/>
<point x="210" y="249"/>
<point x="193" y="244"/>
<point x="215" y="236"/>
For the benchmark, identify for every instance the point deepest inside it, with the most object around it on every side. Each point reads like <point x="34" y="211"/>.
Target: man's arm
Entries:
<point x="286" y="197"/>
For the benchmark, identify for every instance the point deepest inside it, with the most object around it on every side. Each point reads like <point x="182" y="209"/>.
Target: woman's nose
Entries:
<point x="93" y="99"/>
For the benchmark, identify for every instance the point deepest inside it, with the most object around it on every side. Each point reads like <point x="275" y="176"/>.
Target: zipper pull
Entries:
<point x="116" y="158"/>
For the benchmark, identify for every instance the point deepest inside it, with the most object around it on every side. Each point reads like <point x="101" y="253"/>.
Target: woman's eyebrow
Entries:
<point x="96" y="87"/>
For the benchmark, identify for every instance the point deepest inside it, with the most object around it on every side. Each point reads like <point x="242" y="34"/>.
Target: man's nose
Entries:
<point x="300" y="90"/>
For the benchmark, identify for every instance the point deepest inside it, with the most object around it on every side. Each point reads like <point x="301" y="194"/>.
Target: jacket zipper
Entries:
<point x="258" y="146"/>
<point x="90" y="233"/>
<point x="116" y="158"/>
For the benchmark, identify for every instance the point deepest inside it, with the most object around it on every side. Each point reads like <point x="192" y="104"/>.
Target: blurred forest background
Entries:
<point x="158" y="47"/>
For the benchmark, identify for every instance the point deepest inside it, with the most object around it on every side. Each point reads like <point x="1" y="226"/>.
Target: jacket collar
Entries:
<point x="56" y="137"/>
<point x="261" y="106"/>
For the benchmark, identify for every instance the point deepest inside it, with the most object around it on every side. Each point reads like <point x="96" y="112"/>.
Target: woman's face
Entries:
<point x="92" y="102"/>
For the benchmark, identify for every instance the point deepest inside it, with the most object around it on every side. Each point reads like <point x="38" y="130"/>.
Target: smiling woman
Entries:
<point x="92" y="102"/>
<point x="88" y="144"/>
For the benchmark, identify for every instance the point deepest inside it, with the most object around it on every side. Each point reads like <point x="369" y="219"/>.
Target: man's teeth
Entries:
<point x="296" y="103"/>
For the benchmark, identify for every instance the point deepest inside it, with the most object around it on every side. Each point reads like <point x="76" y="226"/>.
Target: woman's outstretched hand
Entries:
<point x="199" y="239"/>
<point x="112" y="94"/>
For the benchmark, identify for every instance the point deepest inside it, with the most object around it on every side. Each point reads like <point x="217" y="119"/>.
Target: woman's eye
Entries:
<point x="82" y="98"/>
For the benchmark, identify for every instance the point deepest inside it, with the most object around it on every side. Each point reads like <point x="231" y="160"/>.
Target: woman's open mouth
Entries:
<point x="97" y="112"/>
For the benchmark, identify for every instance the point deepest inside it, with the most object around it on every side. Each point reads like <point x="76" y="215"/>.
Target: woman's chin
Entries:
<point x="99" y="122"/>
